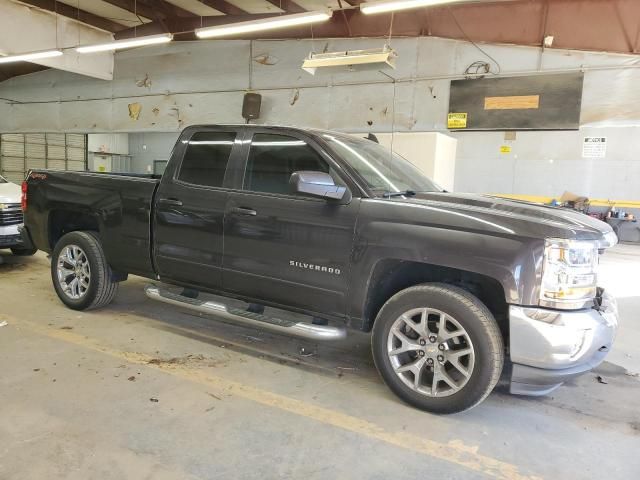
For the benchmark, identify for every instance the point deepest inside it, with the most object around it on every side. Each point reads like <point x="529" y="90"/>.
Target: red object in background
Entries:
<point x="23" y="201"/>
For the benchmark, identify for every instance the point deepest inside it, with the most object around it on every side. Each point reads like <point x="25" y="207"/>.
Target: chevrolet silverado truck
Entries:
<point x="11" y="218"/>
<point x="346" y="234"/>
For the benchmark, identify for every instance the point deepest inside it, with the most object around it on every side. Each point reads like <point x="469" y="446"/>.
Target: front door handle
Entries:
<point x="247" y="212"/>
<point x="170" y="202"/>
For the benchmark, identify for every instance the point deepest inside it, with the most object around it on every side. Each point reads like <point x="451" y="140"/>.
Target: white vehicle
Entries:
<point x="11" y="218"/>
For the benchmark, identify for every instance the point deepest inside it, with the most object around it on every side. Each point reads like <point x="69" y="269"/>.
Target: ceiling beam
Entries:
<point x="76" y="14"/>
<point x="134" y="7"/>
<point x="168" y="9"/>
<point x="490" y="22"/>
<point x="287" y="5"/>
<point x="224" y="7"/>
<point x="175" y="25"/>
<point x="151" y="8"/>
<point x="346" y="16"/>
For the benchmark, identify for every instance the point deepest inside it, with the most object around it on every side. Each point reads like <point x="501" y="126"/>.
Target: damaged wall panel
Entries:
<point x="183" y="67"/>
<point x="204" y="82"/>
<point x="200" y="82"/>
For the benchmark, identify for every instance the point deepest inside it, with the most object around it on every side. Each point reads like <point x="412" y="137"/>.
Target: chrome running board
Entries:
<point x="286" y="327"/>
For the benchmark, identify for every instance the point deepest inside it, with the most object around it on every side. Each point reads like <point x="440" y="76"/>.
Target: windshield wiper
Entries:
<point x="406" y="193"/>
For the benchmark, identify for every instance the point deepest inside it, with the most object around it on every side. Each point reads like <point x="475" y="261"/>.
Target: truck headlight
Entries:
<point x="569" y="273"/>
<point x="609" y="240"/>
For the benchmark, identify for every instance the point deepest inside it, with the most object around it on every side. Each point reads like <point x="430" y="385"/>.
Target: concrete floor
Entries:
<point x="142" y="391"/>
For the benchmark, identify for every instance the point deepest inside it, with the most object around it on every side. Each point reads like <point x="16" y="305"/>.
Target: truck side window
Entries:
<point x="272" y="160"/>
<point x="205" y="160"/>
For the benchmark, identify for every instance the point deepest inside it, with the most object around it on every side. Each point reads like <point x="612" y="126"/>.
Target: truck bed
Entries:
<point x="117" y="205"/>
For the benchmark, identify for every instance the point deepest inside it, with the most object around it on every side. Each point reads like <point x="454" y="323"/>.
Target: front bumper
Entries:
<point x="549" y="347"/>
<point x="10" y="236"/>
<point x="25" y="238"/>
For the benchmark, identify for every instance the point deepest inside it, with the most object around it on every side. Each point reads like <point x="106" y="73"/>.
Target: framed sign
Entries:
<point x="594" y="147"/>
<point x="540" y="102"/>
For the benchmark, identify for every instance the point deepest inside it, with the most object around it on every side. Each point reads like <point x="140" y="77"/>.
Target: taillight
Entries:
<point x="23" y="202"/>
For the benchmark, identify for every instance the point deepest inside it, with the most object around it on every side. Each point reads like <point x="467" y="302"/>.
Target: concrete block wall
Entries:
<point x="187" y="83"/>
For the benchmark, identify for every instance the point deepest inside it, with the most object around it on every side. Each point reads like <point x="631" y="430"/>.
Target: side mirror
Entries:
<point x="317" y="184"/>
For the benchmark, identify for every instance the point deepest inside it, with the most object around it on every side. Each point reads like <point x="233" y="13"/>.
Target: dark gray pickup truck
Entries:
<point x="338" y="229"/>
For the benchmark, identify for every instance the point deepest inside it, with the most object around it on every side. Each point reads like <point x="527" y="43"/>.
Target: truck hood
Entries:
<point x="517" y="217"/>
<point x="10" y="193"/>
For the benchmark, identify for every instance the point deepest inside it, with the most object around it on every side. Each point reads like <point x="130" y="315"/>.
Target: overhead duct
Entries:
<point x="39" y="36"/>
<point x="385" y="56"/>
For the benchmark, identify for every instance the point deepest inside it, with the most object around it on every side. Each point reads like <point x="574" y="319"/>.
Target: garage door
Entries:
<point x="20" y="153"/>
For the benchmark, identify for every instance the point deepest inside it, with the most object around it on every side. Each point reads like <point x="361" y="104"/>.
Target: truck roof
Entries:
<point x="270" y="126"/>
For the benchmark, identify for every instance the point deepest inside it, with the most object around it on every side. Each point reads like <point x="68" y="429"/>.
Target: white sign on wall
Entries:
<point x="594" y="147"/>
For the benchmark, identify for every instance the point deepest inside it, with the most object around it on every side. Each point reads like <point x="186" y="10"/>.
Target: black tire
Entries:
<point x="23" y="252"/>
<point x="472" y="315"/>
<point x="102" y="288"/>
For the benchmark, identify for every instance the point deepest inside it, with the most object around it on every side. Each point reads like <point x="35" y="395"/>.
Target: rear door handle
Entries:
<point x="247" y="212"/>
<point x="170" y="202"/>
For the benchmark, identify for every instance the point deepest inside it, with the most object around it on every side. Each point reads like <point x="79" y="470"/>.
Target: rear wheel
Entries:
<point x="81" y="276"/>
<point x="438" y="348"/>
<point x="23" y="252"/>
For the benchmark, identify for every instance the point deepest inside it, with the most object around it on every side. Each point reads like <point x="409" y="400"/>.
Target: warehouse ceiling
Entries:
<point x="597" y="25"/>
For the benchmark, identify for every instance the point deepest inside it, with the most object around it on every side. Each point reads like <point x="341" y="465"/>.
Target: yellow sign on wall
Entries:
<point x="505" y="149"/>
<point x="457" y="120"/>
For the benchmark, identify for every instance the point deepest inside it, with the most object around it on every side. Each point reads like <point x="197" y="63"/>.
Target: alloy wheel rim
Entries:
<point x="73" y="272"/>
<point x="431" y="352"/>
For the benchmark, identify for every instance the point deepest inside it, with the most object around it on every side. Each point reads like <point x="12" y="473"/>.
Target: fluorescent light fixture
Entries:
<point x="385" y="56"/>
<point x="126" y="43"/>
<point x="384" y="6"/>
<point x="271" y="23"/>
<point x="27" y="57"/>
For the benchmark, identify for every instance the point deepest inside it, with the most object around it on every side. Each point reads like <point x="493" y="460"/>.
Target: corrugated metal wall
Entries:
<point x="20" y="153"/>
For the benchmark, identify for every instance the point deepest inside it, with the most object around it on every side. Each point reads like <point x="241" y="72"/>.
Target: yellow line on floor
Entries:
<point x="455" y="452"/>
<point x="594" y="202"/>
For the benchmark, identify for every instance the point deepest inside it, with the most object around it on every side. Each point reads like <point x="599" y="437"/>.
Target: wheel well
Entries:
<point x="65" y="221"/>
<point x="391" y="276"/>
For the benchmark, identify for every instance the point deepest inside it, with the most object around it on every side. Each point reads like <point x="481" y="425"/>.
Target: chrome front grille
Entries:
<point x="10" y="214"/>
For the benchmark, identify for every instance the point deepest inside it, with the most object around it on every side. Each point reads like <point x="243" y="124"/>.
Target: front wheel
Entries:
<point x="81" y="276"/>
<point x="438" y="348"/>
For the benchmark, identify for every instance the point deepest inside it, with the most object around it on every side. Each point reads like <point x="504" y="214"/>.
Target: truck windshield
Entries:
<point x="384" y="172"/>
